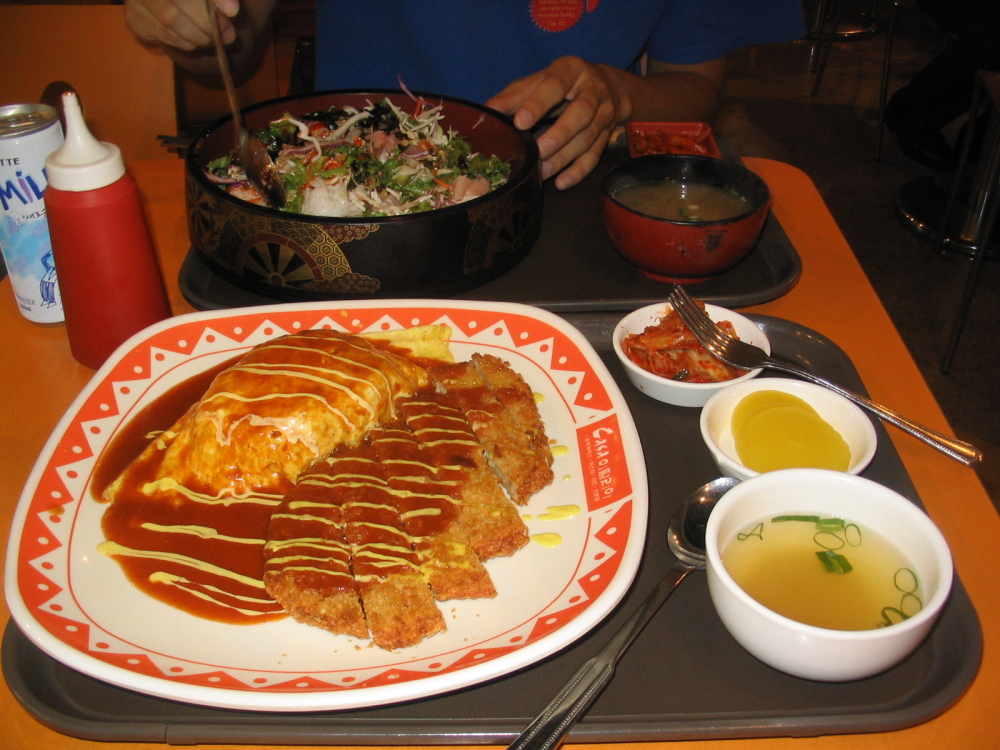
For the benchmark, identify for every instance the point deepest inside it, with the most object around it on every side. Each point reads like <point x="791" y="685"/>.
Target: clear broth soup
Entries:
<point x="682" y="201"/>
<point x="825" y="572"/>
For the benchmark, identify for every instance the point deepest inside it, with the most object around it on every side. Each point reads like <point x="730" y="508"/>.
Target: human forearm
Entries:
<point x="671" y="93"/>
<point x="182" y="29"/>
<point x="593" y="99"/>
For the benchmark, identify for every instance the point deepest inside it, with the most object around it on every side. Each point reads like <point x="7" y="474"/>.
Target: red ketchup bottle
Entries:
<point x="109" y="278"/>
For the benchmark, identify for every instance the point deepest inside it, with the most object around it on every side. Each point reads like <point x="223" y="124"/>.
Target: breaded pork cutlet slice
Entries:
<point x="509" y="447"/>
<point x="307" y="560"/>
<point x="337" y="556"/>
<point x="429" y="509"/>
<point x="490" y="520"/>
<point x="399" y="606"/>
<point x="513" y="392"/>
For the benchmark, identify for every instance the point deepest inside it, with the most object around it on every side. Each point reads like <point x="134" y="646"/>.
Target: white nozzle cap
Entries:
<point x="83" y="162"/>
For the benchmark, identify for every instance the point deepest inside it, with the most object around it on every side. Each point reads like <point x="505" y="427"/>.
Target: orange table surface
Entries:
<point x="39" y="379"/>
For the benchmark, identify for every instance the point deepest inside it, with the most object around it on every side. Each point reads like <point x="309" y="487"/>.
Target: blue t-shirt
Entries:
<point x="473" y="48"/>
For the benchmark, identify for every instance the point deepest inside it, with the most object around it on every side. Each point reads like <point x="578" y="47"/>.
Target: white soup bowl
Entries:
<point x="679" y="392"/>
<point x="807" y="651"/>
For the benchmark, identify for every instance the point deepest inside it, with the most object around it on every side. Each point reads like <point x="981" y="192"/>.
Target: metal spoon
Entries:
<point x="257" y="163"/>
<point x="686" y="539"/>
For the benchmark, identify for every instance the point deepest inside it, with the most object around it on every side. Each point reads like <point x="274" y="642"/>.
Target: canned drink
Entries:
<point x="28" y="133"/>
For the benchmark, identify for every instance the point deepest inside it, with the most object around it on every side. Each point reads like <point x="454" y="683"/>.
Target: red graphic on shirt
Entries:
<point x="560" y="15"/>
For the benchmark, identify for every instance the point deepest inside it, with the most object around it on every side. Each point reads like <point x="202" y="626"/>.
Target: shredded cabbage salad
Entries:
<point x="376" y="161"/>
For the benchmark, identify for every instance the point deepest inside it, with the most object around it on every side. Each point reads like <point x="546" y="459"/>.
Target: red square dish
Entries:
<point x="671" y="138"/>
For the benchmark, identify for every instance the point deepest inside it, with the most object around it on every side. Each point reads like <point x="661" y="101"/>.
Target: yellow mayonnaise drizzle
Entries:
<point x="225" y="497"/>
<point x="113" y="548"/>
<point x="559" y="512"/>
<point x="553" y="513"/>
<point x="204" y="532"/>
<point x="547" y="539"/>
<point x="203" y="591"/>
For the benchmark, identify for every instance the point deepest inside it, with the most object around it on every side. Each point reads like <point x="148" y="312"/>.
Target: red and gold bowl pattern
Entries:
<point x="437" y="253"/>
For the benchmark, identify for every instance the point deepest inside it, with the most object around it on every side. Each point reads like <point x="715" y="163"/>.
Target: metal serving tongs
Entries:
<point x="257" y="164"/>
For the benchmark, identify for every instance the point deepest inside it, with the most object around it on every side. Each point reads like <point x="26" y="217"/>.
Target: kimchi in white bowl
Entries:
<point x="664" y="360"/>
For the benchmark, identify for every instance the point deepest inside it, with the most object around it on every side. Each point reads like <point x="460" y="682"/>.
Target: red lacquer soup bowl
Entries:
<point x="693" y="248"/>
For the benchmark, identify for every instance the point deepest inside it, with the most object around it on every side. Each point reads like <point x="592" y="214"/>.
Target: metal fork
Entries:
<point x="746" y="356"/>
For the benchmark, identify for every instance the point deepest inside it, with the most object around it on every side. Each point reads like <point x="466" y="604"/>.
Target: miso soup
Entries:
<point x="682" y="201"/>
<point x="824" y="571"/>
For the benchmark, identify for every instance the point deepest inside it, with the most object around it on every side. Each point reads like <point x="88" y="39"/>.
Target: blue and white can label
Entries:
<point x="28" y="133"/>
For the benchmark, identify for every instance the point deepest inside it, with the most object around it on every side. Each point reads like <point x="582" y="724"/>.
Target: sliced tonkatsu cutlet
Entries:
<point x="513" y="392"/>
<point x="511" y="446"/>
<point x="339" y="558"/>
<point x="430" y="511"/>
<point x="489" y="519"/>
<point x="399" y="606"/>
<point x="307" y="566"/>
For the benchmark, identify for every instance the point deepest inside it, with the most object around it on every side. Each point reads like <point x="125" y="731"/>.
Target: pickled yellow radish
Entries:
<point x="752" y="405"/>
<point x="776" y="430"/>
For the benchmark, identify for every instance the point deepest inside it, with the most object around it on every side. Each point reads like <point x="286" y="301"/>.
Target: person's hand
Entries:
<point x="181" y="24"/>
<point x="590" y="105"/>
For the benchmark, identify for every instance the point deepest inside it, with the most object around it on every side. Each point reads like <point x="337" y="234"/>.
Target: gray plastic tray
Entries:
<point x="684" y="678"/>
<point x="573" y="265"/>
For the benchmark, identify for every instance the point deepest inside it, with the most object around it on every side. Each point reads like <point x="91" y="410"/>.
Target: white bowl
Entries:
<point x="804" y="650"/>
<point x="678" y="392"/>
<point x="844" y="416"/>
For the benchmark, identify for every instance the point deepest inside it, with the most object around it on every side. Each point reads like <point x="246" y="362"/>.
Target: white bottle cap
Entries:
<point x="82" y="162"/>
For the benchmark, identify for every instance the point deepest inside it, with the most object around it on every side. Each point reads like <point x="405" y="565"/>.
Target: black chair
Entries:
<point x="983" y="197"/>
<point x="827" y="23"/>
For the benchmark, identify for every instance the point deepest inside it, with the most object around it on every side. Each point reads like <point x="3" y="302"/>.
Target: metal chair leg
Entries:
<point x="884" y="90"/>
<point x="816" y="30"/>
<point x="989" y="195"/>
<point x="975" y="109"/>
<point x="826" y="43"/>
<point x="970" y="289"/>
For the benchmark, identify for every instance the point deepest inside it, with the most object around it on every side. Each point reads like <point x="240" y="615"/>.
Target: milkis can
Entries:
<point x="28" y="133"/>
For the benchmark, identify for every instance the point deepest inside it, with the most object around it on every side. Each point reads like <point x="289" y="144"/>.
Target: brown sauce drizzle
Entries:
<point x="155" y="417"/>
<point x="443" y="433"/>
<point x="205" y="559"/>
<point x="200" y="556"/>
<point x="427" y="503"/>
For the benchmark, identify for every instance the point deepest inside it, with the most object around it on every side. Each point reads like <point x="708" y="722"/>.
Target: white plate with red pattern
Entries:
<point x="77" y="605"/>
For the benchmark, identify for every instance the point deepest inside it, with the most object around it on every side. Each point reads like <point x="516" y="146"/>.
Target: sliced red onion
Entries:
<point x="222" y="180"/>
